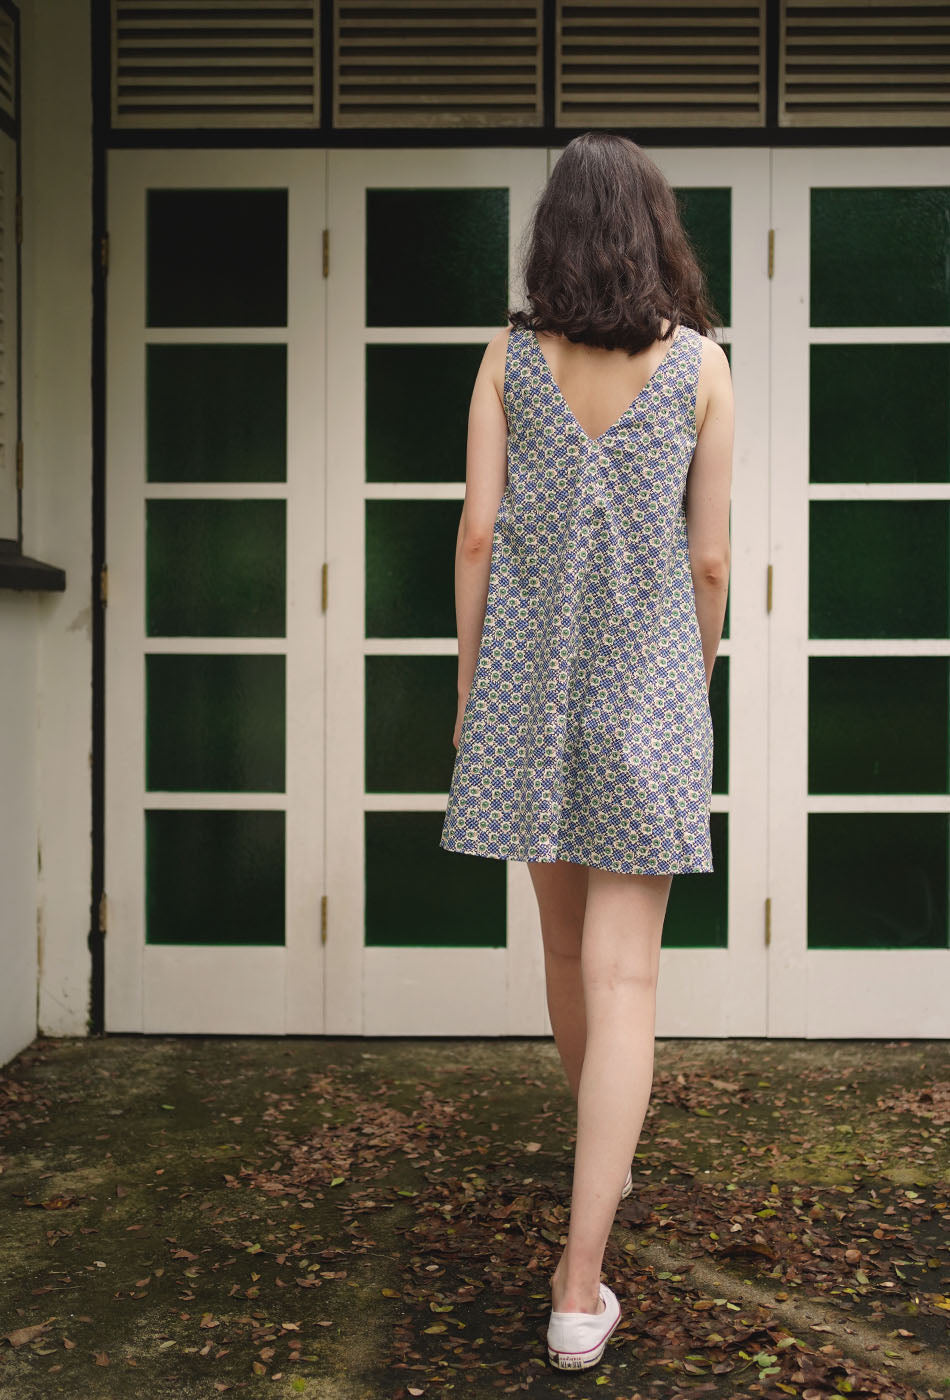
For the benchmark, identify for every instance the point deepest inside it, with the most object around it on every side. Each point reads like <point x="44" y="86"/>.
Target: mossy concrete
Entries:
<point x="142" y="1237"/>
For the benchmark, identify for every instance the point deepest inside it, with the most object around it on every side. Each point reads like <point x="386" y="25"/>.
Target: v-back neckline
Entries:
<point x="677" y="336"/>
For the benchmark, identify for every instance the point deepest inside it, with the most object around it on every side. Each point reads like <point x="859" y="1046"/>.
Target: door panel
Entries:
<point x="422" y="269"/>
<point x="713" y="969"/>
<point x="861" y="626"/>
<point x="214" y="636"/>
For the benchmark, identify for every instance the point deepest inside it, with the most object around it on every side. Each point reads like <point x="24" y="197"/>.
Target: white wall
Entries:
<point x="19" y="624"/>
<point x="45" y="910"/>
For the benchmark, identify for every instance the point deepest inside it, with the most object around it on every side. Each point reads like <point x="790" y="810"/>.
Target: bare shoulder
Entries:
<point x="715" y="361"/>
<point x="715" y="378"/>
<point x="493" y="360"/>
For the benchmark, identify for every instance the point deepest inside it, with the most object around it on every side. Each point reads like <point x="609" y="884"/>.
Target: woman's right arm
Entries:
<point x="708" y="487"/>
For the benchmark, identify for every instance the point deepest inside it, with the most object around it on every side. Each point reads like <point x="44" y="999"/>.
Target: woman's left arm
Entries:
<point x="486" y="475"/>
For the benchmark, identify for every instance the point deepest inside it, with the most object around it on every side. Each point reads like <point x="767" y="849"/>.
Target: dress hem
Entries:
<point x="458" y="848"/>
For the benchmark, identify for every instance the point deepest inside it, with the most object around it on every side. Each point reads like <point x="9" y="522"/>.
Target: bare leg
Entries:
<point x="561" y="890"/>
<point x="620" y="956"/>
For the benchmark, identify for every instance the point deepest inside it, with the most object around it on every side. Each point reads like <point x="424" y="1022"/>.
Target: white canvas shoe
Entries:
<point x="628" y="1184"/>
<point x="576" y="1340"/>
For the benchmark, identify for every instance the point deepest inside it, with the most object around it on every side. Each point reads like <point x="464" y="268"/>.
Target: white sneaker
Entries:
<point x="576" y="1340"/>
<point x="628" y="1184"/>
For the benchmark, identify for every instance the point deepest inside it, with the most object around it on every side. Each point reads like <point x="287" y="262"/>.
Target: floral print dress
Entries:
<point x="587" y="734"/>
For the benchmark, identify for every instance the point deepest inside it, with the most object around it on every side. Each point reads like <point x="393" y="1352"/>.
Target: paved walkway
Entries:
<point x="190" y="1217"/>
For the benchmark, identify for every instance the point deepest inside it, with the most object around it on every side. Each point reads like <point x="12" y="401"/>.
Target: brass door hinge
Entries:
<point x="768" y="920"/>
<point x="324" y="586"/>
<point x="18" y="218"/>
<point x="104" y="252"/>
<point x="768" y="589"/>
<point x="104" y="585"/>
<point x="326" y="252"/>
<point x="19" y="464"/>
<point x="771" y="251"/>
<point x="103" y="912"/>
<point x="323" y="918"/>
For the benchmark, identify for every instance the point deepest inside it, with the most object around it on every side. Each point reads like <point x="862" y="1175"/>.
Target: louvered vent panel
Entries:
<point x="7" y="67"/>
<point x="444" y="64"/>
<point x="851" y="63"/>
<point x="633" y="63"/>
<point x="207" y="63"/>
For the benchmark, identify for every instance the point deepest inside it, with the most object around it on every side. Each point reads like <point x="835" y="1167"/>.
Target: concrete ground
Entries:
<point x="190" y="1217"/>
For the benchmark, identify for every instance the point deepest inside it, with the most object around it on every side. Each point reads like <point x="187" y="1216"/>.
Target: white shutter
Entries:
<point x="660" y="63"/>
<point x="854" y="63"/>
<point x="214" y="63"/>
<point x="446" y="63"/>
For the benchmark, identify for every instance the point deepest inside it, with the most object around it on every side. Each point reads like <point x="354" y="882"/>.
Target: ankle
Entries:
<point x="571" y="1296"/>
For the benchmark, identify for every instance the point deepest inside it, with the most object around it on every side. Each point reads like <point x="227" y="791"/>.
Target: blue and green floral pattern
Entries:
<point x="587" y="734"/>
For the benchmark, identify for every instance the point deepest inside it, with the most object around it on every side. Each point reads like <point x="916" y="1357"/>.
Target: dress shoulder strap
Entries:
<point x="514" y="366"/>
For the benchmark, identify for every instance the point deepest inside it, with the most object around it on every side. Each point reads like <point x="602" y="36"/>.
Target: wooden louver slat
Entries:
<point x="660" y="63"/>
<point x="437" y="63"/>
<point x="849" y="63"/>
<point x="209" y="63"/>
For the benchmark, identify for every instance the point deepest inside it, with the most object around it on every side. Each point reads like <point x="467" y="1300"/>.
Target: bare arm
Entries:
<point x="708" y="486"/>
<point x="486" y="474"/>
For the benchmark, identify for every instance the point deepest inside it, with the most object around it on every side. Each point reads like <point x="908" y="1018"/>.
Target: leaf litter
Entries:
<point x="453" y="1184"/>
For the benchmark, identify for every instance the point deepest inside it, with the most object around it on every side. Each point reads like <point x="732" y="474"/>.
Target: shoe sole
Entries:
<point x="581" y="1360"/>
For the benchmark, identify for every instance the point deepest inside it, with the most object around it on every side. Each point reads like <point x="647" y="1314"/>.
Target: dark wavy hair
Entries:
<point x="605" y="255"/>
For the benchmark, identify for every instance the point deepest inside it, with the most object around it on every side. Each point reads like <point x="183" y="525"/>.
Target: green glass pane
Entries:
<point x="878" y="724"/>
<point x="706" y="215"/>
<point x="411" y="703"/>
<point x="880" y="413"/>
<point x="879" y="256"/>
<point x="216" y="412"/>
<point x="214" y="723"/>
<point x="697" y="912"/>
<point x="878" y="569"/>
<point x="417" y="400"/>
<point x="437" y="257"/>
<point x="215" y="568"/>
<point x="877" y="880"/>
<point x="419" y="896"/>
<point x="217" y="258"/>
<point x="214" y="877"/>
<point x="719" y="709"/>
<point x="410" y="568"/>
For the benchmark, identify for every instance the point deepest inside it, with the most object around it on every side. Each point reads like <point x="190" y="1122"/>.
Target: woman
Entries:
<point x="592" y="568"/>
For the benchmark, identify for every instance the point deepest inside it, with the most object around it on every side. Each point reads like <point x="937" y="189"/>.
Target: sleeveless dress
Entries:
<point x="587" y="734"/>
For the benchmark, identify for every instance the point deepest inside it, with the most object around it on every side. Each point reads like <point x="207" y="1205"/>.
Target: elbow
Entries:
<point x="712" y="569"/>
<point x="475" y="544"/>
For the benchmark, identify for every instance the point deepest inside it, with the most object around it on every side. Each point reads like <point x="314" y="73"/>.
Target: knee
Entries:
<point x="563" y="945"/>
<point x="620" y="977"/>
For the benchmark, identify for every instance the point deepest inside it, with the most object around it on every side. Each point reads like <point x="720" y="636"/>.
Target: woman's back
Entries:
<point x="599" y="384"/>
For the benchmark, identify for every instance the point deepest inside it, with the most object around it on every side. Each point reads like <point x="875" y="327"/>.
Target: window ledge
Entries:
<point x="21" y="571"/>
